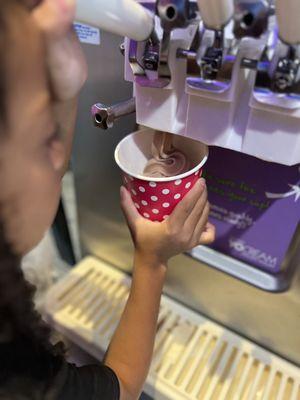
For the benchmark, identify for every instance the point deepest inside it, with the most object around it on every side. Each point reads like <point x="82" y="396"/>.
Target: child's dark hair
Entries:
<point x="25" y="348"/>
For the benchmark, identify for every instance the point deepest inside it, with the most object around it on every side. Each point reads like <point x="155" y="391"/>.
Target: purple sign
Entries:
<point x="255" y="206"/>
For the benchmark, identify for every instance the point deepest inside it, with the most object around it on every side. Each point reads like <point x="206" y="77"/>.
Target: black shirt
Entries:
<point x="71" y="383"/>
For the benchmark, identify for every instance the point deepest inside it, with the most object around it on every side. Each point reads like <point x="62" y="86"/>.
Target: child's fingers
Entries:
<point x="185" y="207"/>
<point x="32" y="3"/>
<point x="197" y="212"/>
<point x="130" y="212"/>
<point x="209" y="235"/>
<point x="55" y="17"/>
<point x="202" y="222"/>
<point x="65" y="59"/>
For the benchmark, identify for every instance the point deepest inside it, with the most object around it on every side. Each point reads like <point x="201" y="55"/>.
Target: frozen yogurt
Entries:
<point x="167" y="160"/>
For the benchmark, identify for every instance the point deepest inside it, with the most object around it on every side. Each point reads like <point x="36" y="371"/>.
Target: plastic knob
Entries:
<point x="288" y="16"/>
<point x="216" y="13"/>
<point x="121" y="17"/>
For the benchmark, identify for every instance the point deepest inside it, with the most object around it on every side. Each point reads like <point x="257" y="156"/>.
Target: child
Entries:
<point x="42" y="70"/>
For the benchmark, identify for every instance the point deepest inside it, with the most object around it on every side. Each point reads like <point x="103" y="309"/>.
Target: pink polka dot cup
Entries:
<point x="156" y="198"/>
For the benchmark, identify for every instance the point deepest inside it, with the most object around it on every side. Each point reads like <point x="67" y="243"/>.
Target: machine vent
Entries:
<point x="194" y="358"/>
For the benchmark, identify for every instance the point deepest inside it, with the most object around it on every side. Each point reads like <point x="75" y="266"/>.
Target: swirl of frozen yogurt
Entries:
<point x="167" y="161"/>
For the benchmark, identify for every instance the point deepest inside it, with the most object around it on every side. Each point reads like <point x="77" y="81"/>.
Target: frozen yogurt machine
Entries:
<point x="226" y="73"/>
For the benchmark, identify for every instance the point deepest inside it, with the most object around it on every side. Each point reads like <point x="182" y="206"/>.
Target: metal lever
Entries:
<point x="251" y="18"/>
<point x="212" y="60"/>
<point x="286" y="77"/>
<point x="105" y="116"/>
<point x="173" y="14"/>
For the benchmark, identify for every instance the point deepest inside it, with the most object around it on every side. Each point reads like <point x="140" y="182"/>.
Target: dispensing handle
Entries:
<point x="121" y="17"/>
<point x="288" y="16"/>
<point x="105" y="116"/>
<point x="216" y="13"/>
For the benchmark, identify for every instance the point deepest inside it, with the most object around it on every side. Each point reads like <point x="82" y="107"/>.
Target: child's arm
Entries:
<point x="131" y="349"/>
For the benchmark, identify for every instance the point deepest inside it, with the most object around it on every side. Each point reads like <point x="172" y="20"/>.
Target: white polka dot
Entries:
<point x="155" y="211"/>
<point x="146" y="215"/>
<point x="188" y="185"/>
<point x="166" y="191"/>
<point x="154" y="198"/>
<point x="142" y="189"/>
<point x="177" y="196"/>
<point x="166" y="205"/>
<point x="133" y="192"/>
<point x="144" y="202"/>
<point x="166" y="217"/>
<point x="178" y="182"/>
<point x="152" y="184"/>
<point x="137" y="205"/>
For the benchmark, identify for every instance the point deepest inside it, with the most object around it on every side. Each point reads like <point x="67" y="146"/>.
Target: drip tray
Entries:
<point x="194" y="358"/>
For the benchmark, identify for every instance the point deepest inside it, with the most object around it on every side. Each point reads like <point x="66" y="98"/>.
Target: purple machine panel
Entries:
<point x="255" y="206"/>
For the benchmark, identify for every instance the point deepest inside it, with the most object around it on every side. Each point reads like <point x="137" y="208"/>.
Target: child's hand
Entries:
<point x="185" y="229"/>
<point x="65" y="59"/>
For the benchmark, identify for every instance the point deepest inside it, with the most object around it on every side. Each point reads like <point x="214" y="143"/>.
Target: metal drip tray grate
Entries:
<point x="194" y="358"/>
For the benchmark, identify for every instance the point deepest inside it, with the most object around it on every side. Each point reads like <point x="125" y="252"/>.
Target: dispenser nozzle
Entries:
<point x="105" y="116"/>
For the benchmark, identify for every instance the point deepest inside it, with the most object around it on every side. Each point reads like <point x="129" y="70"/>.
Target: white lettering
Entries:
<point x="250" y="252"/>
